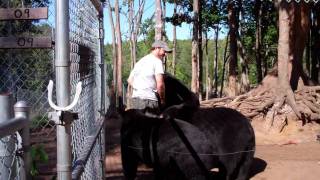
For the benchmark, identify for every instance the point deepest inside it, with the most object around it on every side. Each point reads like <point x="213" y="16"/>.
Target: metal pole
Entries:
<point x="21" y="110"/>
<point x="7" y="144"/>
<point x="62" y="56"/>
<point x="102" y="87"/>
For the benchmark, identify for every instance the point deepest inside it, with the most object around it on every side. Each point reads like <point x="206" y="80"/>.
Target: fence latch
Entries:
<point x="66" y="108"/>
<point x="62" y="117"/>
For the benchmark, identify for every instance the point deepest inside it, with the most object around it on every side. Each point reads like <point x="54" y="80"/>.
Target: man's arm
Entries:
<point x="161" y="87"/>
<point x="130" y="79"/>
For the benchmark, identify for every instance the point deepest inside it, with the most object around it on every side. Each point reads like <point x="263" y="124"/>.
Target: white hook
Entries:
<point x="74" y="102"/>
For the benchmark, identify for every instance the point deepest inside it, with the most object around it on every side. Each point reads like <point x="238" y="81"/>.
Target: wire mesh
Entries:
<point x="26" y="73"/>
<point x="11" y="163"/>
<point x="84" y="55"/>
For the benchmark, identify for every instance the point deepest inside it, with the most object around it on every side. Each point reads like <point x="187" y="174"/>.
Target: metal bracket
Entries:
<point x="62" y="117"/>
<point x="70" y="106"/>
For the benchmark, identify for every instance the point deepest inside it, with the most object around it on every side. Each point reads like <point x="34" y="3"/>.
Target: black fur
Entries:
<point x="229" y="131"/>
<point x="223" y="138"/>
<point x="171" y="159"/>
<point x="176" y="93"/>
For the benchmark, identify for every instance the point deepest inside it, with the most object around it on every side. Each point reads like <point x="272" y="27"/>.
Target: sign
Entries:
<point x="25" y="42"/>
<point x="23" y="13"/>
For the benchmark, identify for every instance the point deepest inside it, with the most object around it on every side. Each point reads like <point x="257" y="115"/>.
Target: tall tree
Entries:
<point x="207" y="78"/>
<point x="315" y="44"/>
<point x="301" y="29"/>
<point x="195" y="49"/>
<point x="119" y="52"/>
<point x="134" y="27"/>
<point x="158" y="19"/>
<point x="114" y="53"/>
<point x="216" y="30"/>
<point x="233" y="26"/>
<point x="284" y="90"/>
<point x="174" y="38"/>
<point x="200" y="51"/>
<point x="164" y="11"/>
<point x="258" y="14"/>
<point x="244" y="83"/>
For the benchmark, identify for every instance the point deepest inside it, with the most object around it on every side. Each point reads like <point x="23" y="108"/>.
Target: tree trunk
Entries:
<point x="233" y="26"/>
<point x="131" y="31"/>
<point x="163" y="32"/>
<point x="216" y="55"/>
<point x="174" y="37"/>
<point x="132" y="47"/>
<point x="245" y="84"/>
<point x="134" y="24"/>
<point x="158" y="16"/>
<point x="284" y="93"/>
<point x="274" y="99"/>
<point x="195" y="49"/>
<point x="299" y="36"/>
<point x="308" y="50"/>
<point x="163" y="15"/>
<point x="200" y="56"/>
<point x="114" y="55"/>
<point x="119" y="52"/>
<point x="225" y="59"/>
<point x="216" y="61"/>
<point x="258" y="13"/>
<point x="315" y="34"/>
<point x="285" y="11"/>
<point x="208" y="78"/>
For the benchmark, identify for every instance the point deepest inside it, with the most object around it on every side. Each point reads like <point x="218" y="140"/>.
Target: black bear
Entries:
<point x="220" y="137"/>
<point x="230" y="133"/>
<point x="155" y="142"/>
<point x="176" y="93"/>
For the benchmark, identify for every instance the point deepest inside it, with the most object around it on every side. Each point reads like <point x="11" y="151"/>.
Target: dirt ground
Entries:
<point x="295" y="155"/>
<point x="292" y="155"/>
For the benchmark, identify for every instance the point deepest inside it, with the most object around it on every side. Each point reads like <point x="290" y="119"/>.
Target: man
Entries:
<point x="147" y="79"/>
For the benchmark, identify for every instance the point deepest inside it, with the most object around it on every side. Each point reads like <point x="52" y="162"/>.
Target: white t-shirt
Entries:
<point x="143" y="74"/>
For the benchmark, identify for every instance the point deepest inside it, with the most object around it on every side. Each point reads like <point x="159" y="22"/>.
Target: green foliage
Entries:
<point x="39" y="121"/>
<point x="30" y="66"/>
<point x="213" y="16"/>
<point x="147" y="30"/>
<point x="38" y="155"/>
<point x="183" y="59"/>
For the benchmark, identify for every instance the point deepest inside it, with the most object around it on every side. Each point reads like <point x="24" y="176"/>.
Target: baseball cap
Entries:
<point x="161" y="44"/>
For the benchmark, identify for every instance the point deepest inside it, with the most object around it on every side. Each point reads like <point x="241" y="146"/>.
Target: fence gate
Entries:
<point x="33" y="51"/>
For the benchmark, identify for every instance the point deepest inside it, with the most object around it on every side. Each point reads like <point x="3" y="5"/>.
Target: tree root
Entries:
<point x="304" y="103"/>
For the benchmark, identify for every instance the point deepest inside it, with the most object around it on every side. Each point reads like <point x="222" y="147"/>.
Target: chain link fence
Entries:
<point x="11" y="164"/>
<point x="26" y="73"/>
<point x="85" y="61"/>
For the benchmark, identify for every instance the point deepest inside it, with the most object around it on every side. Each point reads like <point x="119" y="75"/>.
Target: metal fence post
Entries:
<point x="102" y="87"/>
<point x="7" y="144"/>
<point x="21" y="109"/>
<point x="62" y="57"/>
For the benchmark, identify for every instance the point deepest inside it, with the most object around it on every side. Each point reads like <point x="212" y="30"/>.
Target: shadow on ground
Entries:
<point x="258" y="166"/>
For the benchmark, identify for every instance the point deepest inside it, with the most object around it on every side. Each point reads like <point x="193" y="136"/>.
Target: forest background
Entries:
<point x="259" y="57"/>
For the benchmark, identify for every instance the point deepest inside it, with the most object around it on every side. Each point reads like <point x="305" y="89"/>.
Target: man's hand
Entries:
<point x="160" y="88"/>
